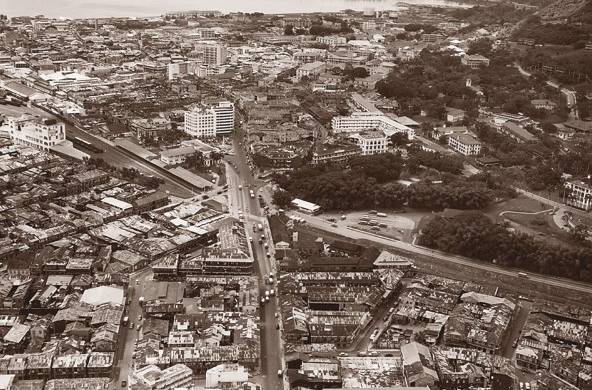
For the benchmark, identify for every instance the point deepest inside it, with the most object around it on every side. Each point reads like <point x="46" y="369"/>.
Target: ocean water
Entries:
<point x="120" y="8"/>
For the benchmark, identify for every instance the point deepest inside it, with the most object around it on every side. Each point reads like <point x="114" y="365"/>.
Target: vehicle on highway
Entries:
<point x="383" y="225"/>
<point x="266" y="245"/>
<point x="362" y="223"/>
<point x="277" y="326"/>
<point x="138" y="327"/>
<point x="381" y="215"/>
<point x="260" y="241"/>
<point x="125" y="320"/>
<point x="373" y="212"/>
<point x="131" y="325"/>
<point x="263" y="236"/>
<point x="268" y="254"/>
<point x="375" y="228"/>
<point x="276" y="315"/>
<point x="523" y="275"/>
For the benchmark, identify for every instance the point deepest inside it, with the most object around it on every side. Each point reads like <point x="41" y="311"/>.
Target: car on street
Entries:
<point x="138" y="327"/>
<point x="277" y="326"/>
<point x="123" y="383"/>
<point x="131" y="325"/>
<point x="334" y="225"/>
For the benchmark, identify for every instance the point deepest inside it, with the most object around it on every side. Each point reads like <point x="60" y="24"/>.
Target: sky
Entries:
<point x="104" y="8"/>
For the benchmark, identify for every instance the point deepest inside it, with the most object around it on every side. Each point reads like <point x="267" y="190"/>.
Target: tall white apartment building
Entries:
<point x="210" y="120"/>
<point x="153" y="378"/>
<point x="212" y="53"/>
<point x="360" y="121"/>
<point x="40" y="133"/>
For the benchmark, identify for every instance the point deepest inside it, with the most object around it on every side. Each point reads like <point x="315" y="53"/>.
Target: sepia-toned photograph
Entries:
<point x="296" y="195"/>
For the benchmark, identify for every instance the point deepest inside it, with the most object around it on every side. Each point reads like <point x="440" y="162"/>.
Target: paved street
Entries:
<point x="343" y="230"/>
<point x="239" y="199"/>
<point x="131" y="335"/>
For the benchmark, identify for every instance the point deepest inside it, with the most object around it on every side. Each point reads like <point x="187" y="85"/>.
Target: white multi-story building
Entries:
<point x="210" y="120"/>
<point x="180" y="69"/>
<point x="212" y="53"/>
<point x="371" y="142"/>
<point x="153" y="378"/>
<point x="35" y="131"/>
<point x="332" y="40"/>
<point x="578" y="194"/>
<point x="465" y="144"/>
<point x="226" y="375"/>
<point x="310" y="69"/>
<point x="360" y="121"/>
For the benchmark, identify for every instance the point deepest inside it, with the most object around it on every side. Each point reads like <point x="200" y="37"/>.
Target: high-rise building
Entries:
<point x="212" y="53"/>
<point x="35" y="131"/>
<point x="210" y="120"/>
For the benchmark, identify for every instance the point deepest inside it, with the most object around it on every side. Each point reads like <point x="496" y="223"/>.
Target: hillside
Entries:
<point x="573" y="10"/>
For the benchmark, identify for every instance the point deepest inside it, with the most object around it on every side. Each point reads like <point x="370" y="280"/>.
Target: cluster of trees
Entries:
<point x="486" y="15"/>
<point x="368" y="183"/>
<point x="168" y="137"/>
<point x="430" y="82"/>
<point x="438" y="161"/>
<point x="566" y="65"/>
<point x="416" y="27"/>
<point x="552" y="33"/>
<point x="462" y="195"/>
<point x="475" y="235"/>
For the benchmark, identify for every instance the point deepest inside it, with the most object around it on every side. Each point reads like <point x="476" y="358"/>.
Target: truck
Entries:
<point x="260" y="227"/>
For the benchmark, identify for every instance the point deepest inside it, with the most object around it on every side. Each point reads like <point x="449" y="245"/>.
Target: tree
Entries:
<point x="481" y="46"/>
<point x="289" y="29"/>
<point x="282" y="199"/>
<point x="399" y="139"/>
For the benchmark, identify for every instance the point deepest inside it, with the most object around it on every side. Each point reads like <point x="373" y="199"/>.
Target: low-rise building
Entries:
<point x="578" y="194"/>
<point x="334" y="153"/>
<point x="310" y="70"/>
<point x="153" y="378"/>
<point x="226" y="375"/>
<point x="177" y="155"/>
<point x="464" y="144"/>
<point x="475" y="61"/>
